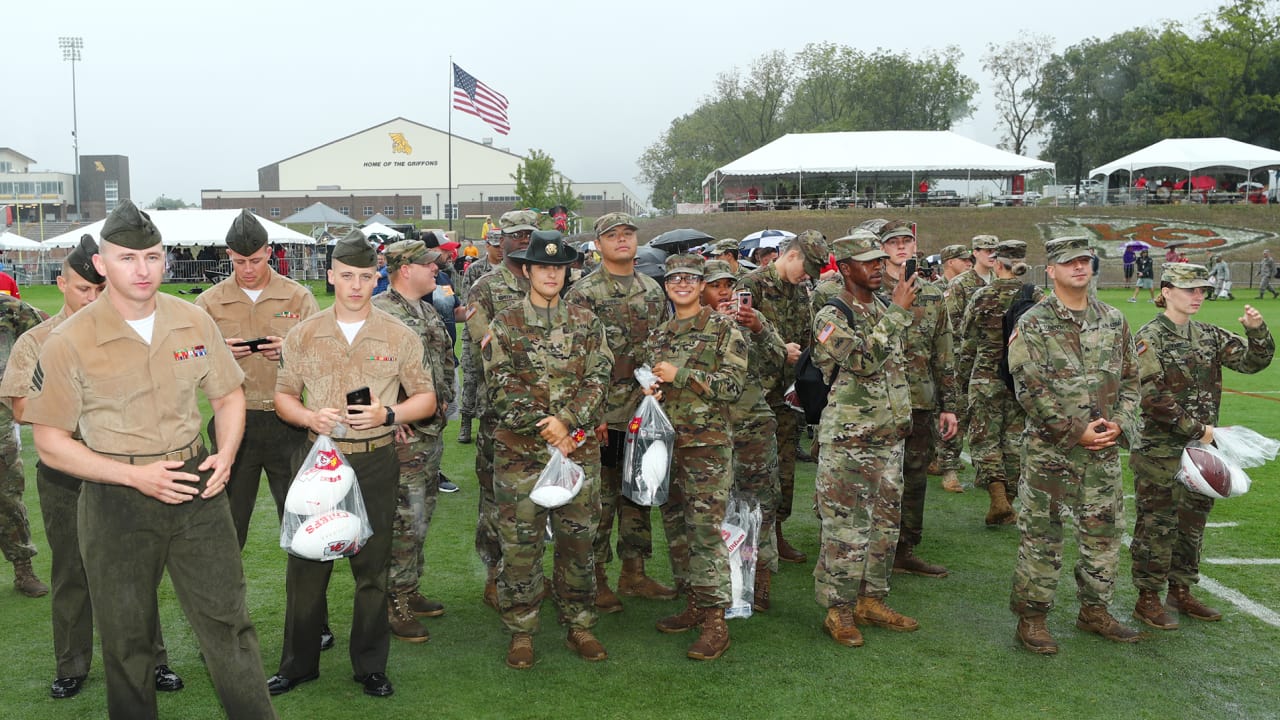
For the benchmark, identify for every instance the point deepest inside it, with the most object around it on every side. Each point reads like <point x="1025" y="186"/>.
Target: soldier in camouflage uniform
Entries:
<point x="778" y="291"/>
<point x="726" y="251"/>
<point x="16" y="317"/>
<point x="1076" y="375"/>
<point x="858" y="486"/>
<point x="1266" y="274"/>
<point x="548" y="369"/>
<point x="956" y="259"/>
<point x="959" y="290"/>
<point x="411" y="269"/>
<point x="995" y="417"/>
<point x="495" y="291"/>
<point x="931" y="379"/>
<point x="1180" y="364"/>
<point x="700" y="359"/>
<point x="631" y="305"/>
<point x="755" y="429"/>
<point x="471" y="366"/>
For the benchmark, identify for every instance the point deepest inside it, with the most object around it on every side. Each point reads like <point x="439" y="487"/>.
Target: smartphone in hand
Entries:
<point x="909" y="269"/>
<point x="254" y="345"/>
<point x="360" y="396"/>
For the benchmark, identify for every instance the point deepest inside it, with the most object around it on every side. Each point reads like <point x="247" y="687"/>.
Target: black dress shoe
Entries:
<point x="278" y="684"/>
<point x="326" y="639"/>
<point x="375" y="684"/>
<point x="66" y="687"/>
<point x="167" y="680"/>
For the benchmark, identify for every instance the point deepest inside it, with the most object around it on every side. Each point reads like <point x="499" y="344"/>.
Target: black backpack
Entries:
<point x="1025" y="300"/>
<point x="812" y="390"/>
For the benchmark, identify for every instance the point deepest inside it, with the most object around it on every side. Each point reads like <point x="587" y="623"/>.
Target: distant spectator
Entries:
<point x="8" y="286"/>
<point x="1127" y="259"/>
<point x="383" y="282"/>
<point x="1146" y="275"/>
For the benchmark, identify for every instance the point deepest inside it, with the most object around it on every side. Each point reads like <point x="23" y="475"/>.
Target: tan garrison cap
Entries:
<point x="1185" y="275"/>
<point x="609" y="221"/>
<point x="1011" y="250"/>
<point x="81" y="260"/>
<point x="518" y="221"/>
<point x="246" y="235"/>
<point x="1066" y="249"/>
<point x="859" y="245"/>
<point x="718" y="270"/>
<point x="410" y="252"/>
<point x="985" y="242"/>
<point x="951" y="252"/>
<point x="817" y="252"/>
<point x="689" y="263"/>
<point x="129" y="227"/>
<point x="355" y="250"/>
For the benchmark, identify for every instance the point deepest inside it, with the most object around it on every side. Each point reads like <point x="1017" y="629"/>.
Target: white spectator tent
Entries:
<point x="15" y="242"/>
<point x="379" y="229"/>
<point x="1195" y="156"/>
<point x="318" y="214"/>
<point x="189" y="228"/>
<point x="890" y="154"/>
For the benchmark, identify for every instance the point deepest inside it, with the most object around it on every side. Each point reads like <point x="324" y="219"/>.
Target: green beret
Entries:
<point x="1066" y="249"/>
<point x="355" y="250"/>
<point x="718" y="270"/>
<point x="685" y="263"/>
<point x="127" y="226"/>
<point x="1185" y="275"/>
<point x="609" y="221"/>
<point x="246" y="235"/>
<point x="81" y="260"/>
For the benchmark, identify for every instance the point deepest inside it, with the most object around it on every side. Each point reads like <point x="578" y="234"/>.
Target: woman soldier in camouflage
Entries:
<point x="995" y="417"/>
<point x="1180" y="365"/>
<point x="700" y="359"/>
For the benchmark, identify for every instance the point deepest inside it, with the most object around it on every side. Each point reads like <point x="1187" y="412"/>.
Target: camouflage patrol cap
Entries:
<point x="951" y="252"/>
<point x="129" y="227"/>
<point x="1185" y="275"/>
<point x="859" y="245"/>
<point x="609" y="221"/>
<point x="494" y="237"/>
<point x="1011" y="250"/>
<point x="1066" y="249"/>
<point x="688" y="263"/>
<point x="410" y="252"/>
<point x="81" y="260"/>
<point x="355" y="250"/>
<point x="724" y="246"/>
<point x="813" y="245"/>
<point x="985" y="242"/>
<point x="718" y="270"/>
<point x="518" y="221"/>
<point x="546" y="247"/>
<point x="246" y="235"/>
<point x="875" y="225"/>
<point x="896" y="229"/>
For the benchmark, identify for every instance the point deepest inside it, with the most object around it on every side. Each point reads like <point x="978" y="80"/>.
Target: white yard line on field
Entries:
<point x="1231" y="595"/>
<point x="1221" y="524"/>
<point x="1242" y="561"/>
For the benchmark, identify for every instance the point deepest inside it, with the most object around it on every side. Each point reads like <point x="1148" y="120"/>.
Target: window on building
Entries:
<point x="345" y="209"/>
<point x="388" y="210"/>
<point x="426" y="211"/>
<point x="275" y="212"/>
<point x="298" y="210"/>
<point x="6" y="166"/>
<point x="368" y="211"/>
<point x="501" y="198"/>
<point x="590" y="197"/>
<point x="451" y="212"/>
<point x="408" y="211"/>
<point x="111" y="193"/>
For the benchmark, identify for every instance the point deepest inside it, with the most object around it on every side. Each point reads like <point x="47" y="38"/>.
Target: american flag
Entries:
<point x="475" y="98"/>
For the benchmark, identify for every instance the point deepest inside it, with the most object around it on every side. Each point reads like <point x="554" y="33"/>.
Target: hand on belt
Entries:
<point x="192" y="450"/>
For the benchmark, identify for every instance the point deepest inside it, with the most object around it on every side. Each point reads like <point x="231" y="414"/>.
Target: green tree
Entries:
<point x="164" y="203"/>
<point x="538" y="185"/>
<point x="1017" y="70"/>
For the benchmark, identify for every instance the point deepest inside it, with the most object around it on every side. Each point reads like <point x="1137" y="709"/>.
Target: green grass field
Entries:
<point x="963" y="662"/>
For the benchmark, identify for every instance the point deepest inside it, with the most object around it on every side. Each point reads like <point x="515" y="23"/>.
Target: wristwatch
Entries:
<point x="391" y="416"/>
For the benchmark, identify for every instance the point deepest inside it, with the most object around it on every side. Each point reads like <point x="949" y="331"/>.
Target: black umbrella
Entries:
<point x="651" y="261"/>
<point x="678" y="241"/>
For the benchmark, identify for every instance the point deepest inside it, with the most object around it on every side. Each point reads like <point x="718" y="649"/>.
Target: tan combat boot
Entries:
<point x="1181" y="599"/>
<point x="786" y="552"/>
<point x="1096" y="619"/>
<point x="906" y="561"/>
<point x="1034" y="635"/>
<point x="714" y="638"/>
<point x="873" y="611"/>
<point x="1000" y="512"/>
<point x="634" y="583"/>
<point x="25" y="580"/>
<point x="760" y="598"/>
<point x="951" y="482"/>
<point x="424" y="607"/>
<point x="687" y="619"/>
<point x="606" y="601"/>
<point x="404" y="624"/>
<point x="581" y="641"/>
<point x="841" y="626"/>
<point x="520" y="651"/>
<point x="1150" y="611"/>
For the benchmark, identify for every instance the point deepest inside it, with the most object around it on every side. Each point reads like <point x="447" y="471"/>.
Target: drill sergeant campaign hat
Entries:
<point x="246" y="235"/>
<point x="546" y="247"/>
<point x="127" y="226"/>
<point x="609" y="221"/>
<point x="859" y="245"/>
<point x="355" y="250"/>
<point x="1066" y="249"/>
<point x="1011" y="250"/>
<point x="813" y="245"/>
<point x="410" y="252"/>
<point x="81" y="260"/>
<point x="717" y="270"/>
<point x="1185" y="275"/>
<point x="685" y="264"/>
<point x="985" y="242"/>
<point x="951" y="252"/>
<point x="518" y="221"/>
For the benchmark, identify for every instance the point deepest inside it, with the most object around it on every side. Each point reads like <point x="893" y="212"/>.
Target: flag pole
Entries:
<point x="449" y="162"/>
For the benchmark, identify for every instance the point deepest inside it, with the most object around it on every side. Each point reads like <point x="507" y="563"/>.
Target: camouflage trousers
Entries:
<point x="755" y="475"/>
<point x="1169" y="532"/>
<point x="486" y="518"/>
<point x="858" y="498"/>
<point x="415" y="504"/>
<point x="1088" y="484"/>
<point x="788" y="425"/>
<point x="700" y="481"/>
<point x="471" y="371"/>
<point x="949" y="450"/>
<point x="917" y="453"/>
<point x="995" y="434"/>
<point x="635" y="529"/>
<point x="15" y="529"/>
<point x="522" y="525"/>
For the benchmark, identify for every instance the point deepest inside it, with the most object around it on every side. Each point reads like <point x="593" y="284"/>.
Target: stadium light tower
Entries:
<point x="71" y="51"/>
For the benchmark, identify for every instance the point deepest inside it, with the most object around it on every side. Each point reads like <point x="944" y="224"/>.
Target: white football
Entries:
<point x="653" y="466"/>
<point x="315" y="491"/>
<point x="327" y="537"/>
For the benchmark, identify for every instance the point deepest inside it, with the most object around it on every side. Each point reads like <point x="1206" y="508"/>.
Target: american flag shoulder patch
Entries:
<point x="484" y="341"/>
<point x="1013" y="335"/>
<point x="826" y="332"/>
<point x="1141" y="346"/>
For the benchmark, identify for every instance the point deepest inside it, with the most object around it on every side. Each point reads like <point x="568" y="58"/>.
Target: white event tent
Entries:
<point x="14" y="241"/>
<point x="885" y="154"/>
<point x="1193" y="155"/>
<point x="189" y="228"/>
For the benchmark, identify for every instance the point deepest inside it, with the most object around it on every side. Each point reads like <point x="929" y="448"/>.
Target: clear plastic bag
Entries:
<point x="1237" y="447"/>
<point x="646" y="465"/>
<point x="324" y="514"/>
<point x="559" y="481"/>
<point x="1244" y="447"/>
<point x="741" y="533"/>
